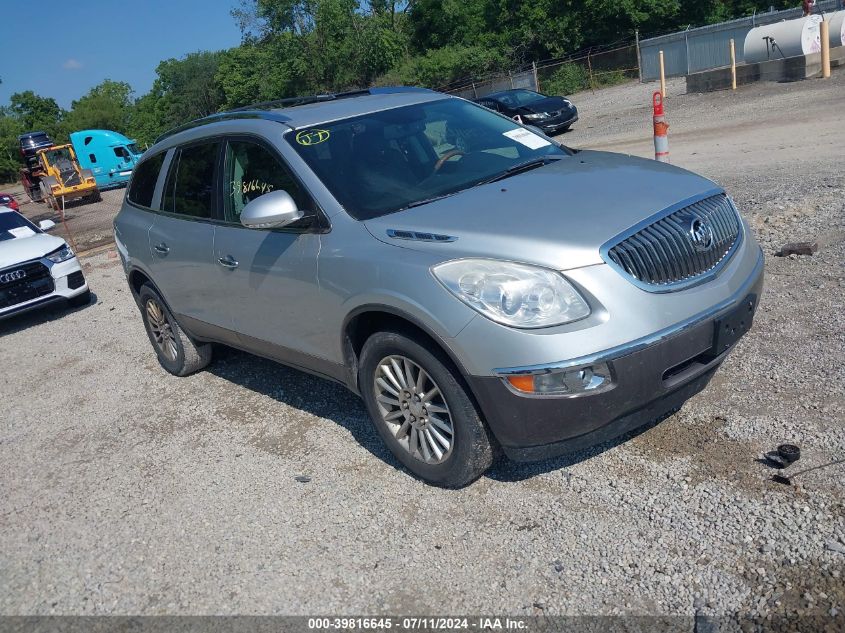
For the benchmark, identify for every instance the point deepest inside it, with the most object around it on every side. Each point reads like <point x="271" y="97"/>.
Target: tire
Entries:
<point x="470" y="452"/>
<point x="176" y="352"/>
<point x="80" y="300"/>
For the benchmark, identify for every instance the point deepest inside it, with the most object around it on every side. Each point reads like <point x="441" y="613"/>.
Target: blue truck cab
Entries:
<point x="109" y="155"/>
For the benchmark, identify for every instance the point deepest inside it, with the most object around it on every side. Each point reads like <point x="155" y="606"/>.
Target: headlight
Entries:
<point x="60" y="254"/>
<point x="535" y="117"/>
<point x="513" y="294"/>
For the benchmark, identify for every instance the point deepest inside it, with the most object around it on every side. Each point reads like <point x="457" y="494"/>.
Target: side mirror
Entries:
<point x="46" y="225"/>
<point x="271" y="211"/>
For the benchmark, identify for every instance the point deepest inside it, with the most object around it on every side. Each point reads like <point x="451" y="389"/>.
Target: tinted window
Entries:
<point x="489" y="103"/>
<point x="392" y="159"/>
<point x="92" y="158"/>
<point x="516" y="98"/>
<point x="190" y="184"/>
<point x="144" y="180"/>
<point x="121" y="152"/>
<point x="252" y="171"/>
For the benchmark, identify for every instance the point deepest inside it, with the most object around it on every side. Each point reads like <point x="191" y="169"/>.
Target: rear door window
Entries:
<point x="190" y="185"/>
<point x="144" y="179"/>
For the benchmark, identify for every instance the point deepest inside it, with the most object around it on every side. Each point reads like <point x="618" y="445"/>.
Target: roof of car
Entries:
<point x="321" y="108"/>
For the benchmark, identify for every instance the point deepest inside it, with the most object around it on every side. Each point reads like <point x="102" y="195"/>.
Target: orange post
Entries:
<point x="661" y="129"/>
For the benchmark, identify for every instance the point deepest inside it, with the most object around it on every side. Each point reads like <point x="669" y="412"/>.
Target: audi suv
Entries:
<point x="36" y="269"/>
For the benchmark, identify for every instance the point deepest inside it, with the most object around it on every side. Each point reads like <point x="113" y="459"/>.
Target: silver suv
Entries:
<point x="482" y="287"/>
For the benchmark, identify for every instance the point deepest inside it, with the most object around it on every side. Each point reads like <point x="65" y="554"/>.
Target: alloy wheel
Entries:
<point x="163" y="334"/>
<point x="414" y="409"/>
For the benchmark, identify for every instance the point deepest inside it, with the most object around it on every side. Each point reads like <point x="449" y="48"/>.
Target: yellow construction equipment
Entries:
<point x="62" y="179"/>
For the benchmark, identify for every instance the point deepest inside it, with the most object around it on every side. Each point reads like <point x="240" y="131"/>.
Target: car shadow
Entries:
<point x="38" y="316"/>
<point x="329" y="400"/>
<point x="318" y="396"/>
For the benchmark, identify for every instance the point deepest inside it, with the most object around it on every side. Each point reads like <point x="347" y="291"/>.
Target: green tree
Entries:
<point x="188" y="87"/>
<point x="106" y="106"/>
<point x="185" y="89"/>
<point x="35" y="112"/>
<point x="10" y="128"/>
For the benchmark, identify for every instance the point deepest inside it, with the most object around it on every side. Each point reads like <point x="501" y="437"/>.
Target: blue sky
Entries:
<point x="62" y="53"/>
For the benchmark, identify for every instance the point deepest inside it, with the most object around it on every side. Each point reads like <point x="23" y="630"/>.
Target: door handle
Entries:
<point x="161" y="249"/>
<point x="228" y="262"/>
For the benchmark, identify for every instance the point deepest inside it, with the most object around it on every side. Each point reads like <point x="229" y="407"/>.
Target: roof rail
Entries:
<point x="224" y="116"/>
<point x="262" y="110"/>
<point x="296" y="101"/>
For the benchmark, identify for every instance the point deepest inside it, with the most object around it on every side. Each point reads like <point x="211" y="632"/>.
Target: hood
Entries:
<point x="556" y="216"/>
<point x="25" y="248"/>
<point x="550" y="104"/>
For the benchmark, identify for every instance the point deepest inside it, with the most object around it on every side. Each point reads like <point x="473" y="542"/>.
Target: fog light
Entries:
<point x="571" y="381"/>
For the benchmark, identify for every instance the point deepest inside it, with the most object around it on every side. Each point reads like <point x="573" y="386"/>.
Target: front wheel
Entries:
<point x="423" y="412"/>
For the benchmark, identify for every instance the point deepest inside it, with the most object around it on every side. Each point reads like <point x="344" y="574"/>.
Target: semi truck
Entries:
<point x="109" y="155"/>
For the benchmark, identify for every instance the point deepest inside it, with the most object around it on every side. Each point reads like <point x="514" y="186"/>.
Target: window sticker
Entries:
<point x="527" y="138"/>
<point x="22" y="231"/>
<point x="312" y="137"/>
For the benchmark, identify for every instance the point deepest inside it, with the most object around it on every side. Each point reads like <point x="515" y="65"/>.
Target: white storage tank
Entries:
<point x="789" y="38"/>
<point x="837" y="28"/>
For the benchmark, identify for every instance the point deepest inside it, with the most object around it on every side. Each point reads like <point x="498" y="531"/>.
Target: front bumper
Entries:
<point x="652" y="378"/>
<point x="68" y="281"/>
<point x="552" y="126"/>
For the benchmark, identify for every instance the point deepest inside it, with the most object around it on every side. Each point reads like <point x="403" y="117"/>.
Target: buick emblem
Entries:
<point x="701" y="235"/>
<point x="14" y="275"/>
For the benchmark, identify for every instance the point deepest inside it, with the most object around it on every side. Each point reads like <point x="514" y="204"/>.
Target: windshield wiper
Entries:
<point x="419" y="203"/>
<point x="521" y="167"/>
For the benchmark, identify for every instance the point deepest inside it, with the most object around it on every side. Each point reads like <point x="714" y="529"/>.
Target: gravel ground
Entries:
<point x="128" y="491"/>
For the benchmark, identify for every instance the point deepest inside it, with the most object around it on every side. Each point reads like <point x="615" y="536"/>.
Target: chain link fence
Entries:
<point x="475" y="87"/>
<point x="586" y="70"/>
<point x="589" y="70"/>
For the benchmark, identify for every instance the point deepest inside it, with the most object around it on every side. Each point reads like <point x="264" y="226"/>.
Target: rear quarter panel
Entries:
<point x="131" y="232"/>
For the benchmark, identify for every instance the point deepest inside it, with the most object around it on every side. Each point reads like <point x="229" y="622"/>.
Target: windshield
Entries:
<point x="56" y="156"/>
<point x="14" y="225"/>
<point x="385" y="161"/>
<point x="134" y="149"/>
<point x="516" y="98"/>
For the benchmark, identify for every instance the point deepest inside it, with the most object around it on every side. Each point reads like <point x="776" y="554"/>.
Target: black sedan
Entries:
<point x="551" y="114"/>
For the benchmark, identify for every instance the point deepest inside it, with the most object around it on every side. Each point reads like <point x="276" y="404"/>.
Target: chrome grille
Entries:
<point x="666" y="255"/>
